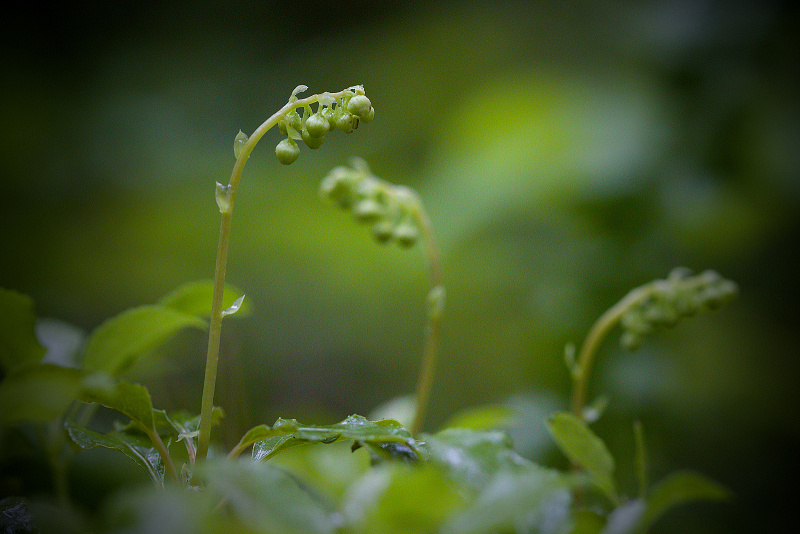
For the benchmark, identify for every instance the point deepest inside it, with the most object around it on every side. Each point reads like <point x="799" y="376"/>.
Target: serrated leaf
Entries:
<point x="38" y="392"/>
<point x="136" y="447"/>
<point x="131" y="400"/>
<point x="194" y="298"/>
<point x="18" y="343"/>
<point x="585" y="448"/>
<point x="118" y="342"/>
<point x="265" y="498"/>
<point x="680" y="488"/>
<point x="285" y="433"/>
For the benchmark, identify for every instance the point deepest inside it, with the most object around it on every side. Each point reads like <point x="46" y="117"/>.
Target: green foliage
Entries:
<point x="37" y="393"/>
<point x="194" y="298"/>
<point x="465" y="478"/>
<point x="385" y="438"/>
<point x="585" y="449"/>
<point x="116" y="344"/>
<point x="137" y="447"/>
<point x="18" y="343"/>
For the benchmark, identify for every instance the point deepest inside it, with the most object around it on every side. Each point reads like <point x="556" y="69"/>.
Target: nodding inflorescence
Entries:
<point x="392" y="210"/>
<point x="303" y="123"/>
<point x="667" y="301"/>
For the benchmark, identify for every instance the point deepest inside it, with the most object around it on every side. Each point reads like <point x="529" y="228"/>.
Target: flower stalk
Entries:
<point x="243" y="147"/>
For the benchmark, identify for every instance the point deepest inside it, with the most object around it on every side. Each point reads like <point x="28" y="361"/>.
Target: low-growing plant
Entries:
<point x="462" y="478"/>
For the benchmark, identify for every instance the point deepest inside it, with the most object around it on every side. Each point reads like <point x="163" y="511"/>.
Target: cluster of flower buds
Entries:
<point x="665" y="302"/>
<point x="394" y="211"/>
<point x="344" y="113"/>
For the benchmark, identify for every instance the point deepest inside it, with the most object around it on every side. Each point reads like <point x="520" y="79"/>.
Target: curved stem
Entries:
<point x="580" y="373"/>
<point x="215" y="323"/>
<point x="429" y="356"/>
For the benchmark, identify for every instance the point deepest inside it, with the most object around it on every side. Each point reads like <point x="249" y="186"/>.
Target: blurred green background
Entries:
<point x="565" y="152"/>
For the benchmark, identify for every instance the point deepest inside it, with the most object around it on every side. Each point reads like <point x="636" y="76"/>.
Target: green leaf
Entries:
<point x="586" y="521"/>
<point x="264" y="498"/>
<point x="18" y="343"/>
<point x="483" y="418"/>
<point x="118" y="342"/>
<point x="533" y="499"/>
<point x="131" y="400"/>
<point x="258" y="433"/>
<point x="194" y="298"/>
<point x="584" y="448"/>
<point x="473" y="457"/>
<point x="510" y="492"/>
<point x="624" y="518"/>
<point x="395" y="497"/>
<point x="135" y="446"/>
<point x="386" y="437"/>
<point x="679" y="488"/>
<point x="38" y="392"/>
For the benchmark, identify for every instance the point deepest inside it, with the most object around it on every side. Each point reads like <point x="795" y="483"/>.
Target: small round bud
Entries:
<point x="287" y="151"/>
<point x="359" y="106"/>
<point x="346" y="122"/>
<point x="282" y="127"/>
<point x="317" y="125"/>
<point x="631" y="340"/>
<point x="310" y="140"/>
<point x="406" y="234"/>
<point x="368" y="210"/>
<point x="292" y="123"/>
<point x="330" y="116"/>
<point x="369" y="116"/>
<point x="383" y="231"/>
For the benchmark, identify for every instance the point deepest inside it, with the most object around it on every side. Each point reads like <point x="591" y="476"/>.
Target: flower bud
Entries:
<point x="346" y="122"/>
<point x="406" y="234"/>
<point x="359" y="106"/>
<point x="287" y="151"/>
<point x="383" y="231"/>
<point x="292" y="124"/>
<point x="317" y="125"/>
<point x="368" y="210"/>
<point x="311" y="141"/>
<point x="369" y="116"/>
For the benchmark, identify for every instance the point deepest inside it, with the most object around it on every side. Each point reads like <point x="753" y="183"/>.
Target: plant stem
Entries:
<point x="169" y="465"/>
<point x="215" y="322"/>
<point x="433" y="328"/>
<point x="580" y="373"/>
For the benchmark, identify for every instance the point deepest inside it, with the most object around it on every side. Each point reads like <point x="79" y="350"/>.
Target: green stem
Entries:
<point x="433" y="328"/>
<point x="580" y="372"/>
<point x="215" y="324"/>
<point x="163" y="452"/>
